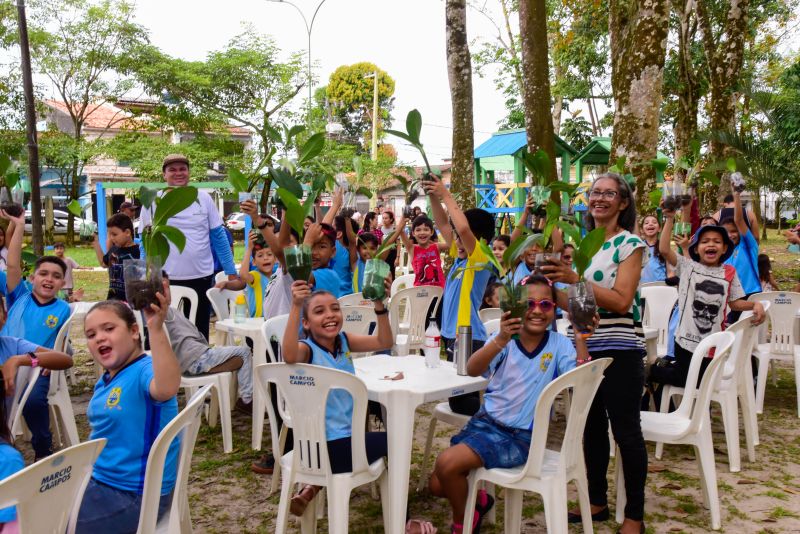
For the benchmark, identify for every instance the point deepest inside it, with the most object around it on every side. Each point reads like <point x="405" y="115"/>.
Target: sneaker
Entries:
<point x="264" y="466"/>
<point x="244" y="407"/>
<point x="482" y="506"/>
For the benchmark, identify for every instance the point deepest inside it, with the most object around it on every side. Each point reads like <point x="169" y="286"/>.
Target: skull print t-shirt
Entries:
<point x="703" y="296"/>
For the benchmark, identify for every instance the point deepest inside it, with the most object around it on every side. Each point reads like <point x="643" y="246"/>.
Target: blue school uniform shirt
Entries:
<point x="521" y="272"/>
<point x="340" y="263"/>
<point x="256" y="292"/>
<point x="517" y="378"/>
<point x="339" y="408"/>
<point x="10" y="462"/>
<point x="463" y="293"/>
<point x="654" y="270"/>
<point x="327" y="279"/>
<point x="14" y="346"/>
<point x="30" y="320"/>
<point x="122" y="411"/>
<point x="745" y="260"/>
<point x="358" y="275"/>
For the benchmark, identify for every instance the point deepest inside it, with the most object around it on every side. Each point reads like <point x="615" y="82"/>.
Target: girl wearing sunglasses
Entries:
<point x="499" y="435"/>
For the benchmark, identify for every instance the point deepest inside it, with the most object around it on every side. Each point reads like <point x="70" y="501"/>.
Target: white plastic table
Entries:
<point x="651" y="343"/>
<point x="401" y="399"/>
<point x="251" y="328"/>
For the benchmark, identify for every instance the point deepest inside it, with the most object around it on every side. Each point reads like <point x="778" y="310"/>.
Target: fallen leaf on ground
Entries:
<point x="656" y="468"/>
<point x="745" y="481"/>
<point x="671" y="486"/>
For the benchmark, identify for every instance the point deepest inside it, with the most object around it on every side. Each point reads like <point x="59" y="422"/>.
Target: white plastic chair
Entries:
<point x="180" y="295"/>
<point x="401" y="282"/>
<point x="25" y="377"/>
<point x="177" y="520"/>
<point x="690" y="424"/>
<point x="46" y="506"/>
<point x="487" y="314"/>
<point x="732" y="390"/>
<point x="220" y="277"/>
<point x="220" y="401"/>
<point x="222" y="302"/>
<point x="307" y="406"/>
<point x="492" y="327"/>
<point x="783" y="345"/>
<point x="659" y="301"/>
<point x="547" y="472"/>
<point x="354" y="299"/>
<point x="358" y="320"/>
<point x="659" y="283"/>
<point x="271" y="329"/>
<point x="417" y="301"/>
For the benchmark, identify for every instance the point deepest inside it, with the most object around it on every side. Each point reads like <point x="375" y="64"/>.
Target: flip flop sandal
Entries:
<point x="420" y="526"/>
<point x="299" y="503"/>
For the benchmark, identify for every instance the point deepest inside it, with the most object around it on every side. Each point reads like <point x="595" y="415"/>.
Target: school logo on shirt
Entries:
<point x="547" y="357"/>
<point x="113" y="398"/>
<point x="51" y="321"/>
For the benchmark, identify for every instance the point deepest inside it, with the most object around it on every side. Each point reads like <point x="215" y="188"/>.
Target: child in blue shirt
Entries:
<point x="745" y="252"/>
<point x="499" y="435"/>
<point x="11" y="461"/>
<point x="328" y="346"/>
<point x="256" y="281"/>
<point x="344" y="253"/>
<point x="36" y="314"/>
<point x="322" y="240"/>
<point x="132" y="402"/>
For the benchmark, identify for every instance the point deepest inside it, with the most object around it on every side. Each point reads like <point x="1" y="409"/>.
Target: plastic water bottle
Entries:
<point x="240" y="312"/>
<point x="431" y="346"/>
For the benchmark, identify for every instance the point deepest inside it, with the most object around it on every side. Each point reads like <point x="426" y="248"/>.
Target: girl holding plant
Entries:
<point x="614" y="274"/>
<point x="655" y="269"/>
<point x="425" y="252"/>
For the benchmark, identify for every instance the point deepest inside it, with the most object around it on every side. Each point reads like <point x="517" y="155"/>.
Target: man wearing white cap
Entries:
<point x="201" y="223"/>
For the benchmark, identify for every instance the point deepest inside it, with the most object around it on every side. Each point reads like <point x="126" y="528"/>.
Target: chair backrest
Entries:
<point x="186" y="423"/>
<point x="492" y="326"/>
<point x="742" y="348"/>
<point x="272" y="330"/>
<point x="659" y="283"/>
<point x="181" y="296"/>
<point x="354" y="299"/>
<point x="782" y="315"/>
<point x="721" y="343"/>
<point x="358" y="319"/>
<point x="401" y="282"/>
<point x="417" y="300"/>
<point x="222" y="301"/>
<point x="584" y="381"/>
<point x="62" y="337"/>
<point x="487" y="314"/>
<point x="562" y="326"/>
<point x="220" y="277"/>
<point x="25" y="377"/>
<point x="659" y="301"/>
<point x="46" y="492"/>
<point x="305" y="388"/>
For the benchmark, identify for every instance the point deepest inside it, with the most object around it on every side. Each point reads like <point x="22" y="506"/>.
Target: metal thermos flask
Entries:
<point x="463" y="349"/>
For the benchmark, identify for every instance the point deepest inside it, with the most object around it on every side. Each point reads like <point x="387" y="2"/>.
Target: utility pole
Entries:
<point x="374" y="76"/>
<point x="30" y="132"/>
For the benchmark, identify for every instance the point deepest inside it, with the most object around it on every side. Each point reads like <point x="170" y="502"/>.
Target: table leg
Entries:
<point x="400" y="412"/>
<point x="259" y="357"/>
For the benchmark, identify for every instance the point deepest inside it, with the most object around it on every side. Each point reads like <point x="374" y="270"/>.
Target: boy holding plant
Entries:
<point x="257" y="280"/>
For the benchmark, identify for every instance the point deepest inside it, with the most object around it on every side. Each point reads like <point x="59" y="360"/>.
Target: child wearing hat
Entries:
<point x="707" y="290"/>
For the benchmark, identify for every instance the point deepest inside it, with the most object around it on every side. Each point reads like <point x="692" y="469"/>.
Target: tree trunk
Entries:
<point x="688" y="88"/>
<point x="459" y="73"/>
<point x="536" y="80"/>
<point x="558" y="101"/>
<point x="638" y="32"/>
<point x="724" y="57"/>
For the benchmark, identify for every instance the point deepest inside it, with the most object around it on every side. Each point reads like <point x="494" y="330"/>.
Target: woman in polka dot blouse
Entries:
<point x="614" y="273"/>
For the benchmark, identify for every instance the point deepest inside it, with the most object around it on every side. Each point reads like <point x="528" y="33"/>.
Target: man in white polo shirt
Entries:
<point x="201" y="223"/>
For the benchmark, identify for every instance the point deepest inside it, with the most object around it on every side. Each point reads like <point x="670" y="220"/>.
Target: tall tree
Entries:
<point x="689" y="77"/>
<point x="77" y="45"/>
<point x="536" y="80"/>
<point x="459" y="73"/>
<point x="723" y="45"/>
<point x="349" y="95"/>
<point x="638" y="31"/>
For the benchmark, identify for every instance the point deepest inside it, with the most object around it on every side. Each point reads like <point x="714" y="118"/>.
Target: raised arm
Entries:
<point x="436" y="188"/>
<point x="244" y="269"/>
<point x="664" y="246"/>
<point x="14" y="260"/>
<point x="294" y="351"/>
<point x="523" y="219"/>
<point x="738" y="213"/>
<point x="166" y="369"/>
<point x="336" y="205"/>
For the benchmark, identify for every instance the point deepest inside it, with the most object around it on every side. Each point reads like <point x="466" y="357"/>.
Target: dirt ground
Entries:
<point x="225" y="496"/>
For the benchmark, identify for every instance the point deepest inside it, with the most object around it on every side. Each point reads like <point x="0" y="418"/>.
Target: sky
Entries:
<point x="405" y="38"/>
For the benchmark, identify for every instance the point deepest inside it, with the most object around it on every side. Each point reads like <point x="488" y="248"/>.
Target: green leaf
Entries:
<point x="538" y="164"/>
<point x="11" y="179"/>
<point x="659" y="164"/>
<point x="358" y="165"/>
<point x="366" y="191"/>
<point x="589" y="246"/>
<point x="311" y="148"/>
<point x="491" y="258"/>
<point x="74" y="207"/>
<point x="318" y="183"/>
<point x="5" y="164"/>
<point x="730" y="164"/>
<point x="174" y="235"/>
<point x="414" y="126"/>
<point x="286" y="181"/>
<point x="308" y="205"/>
<point x="694" y="148"/>
<point x="655" y="198"/>
<point x="563" y="187"/>
<point x="273" y="133"/>
<point x="295" y="130"/>
<point x="518" y="247"/>
<point x="710" y="176"/>
<point x="570" y="231"/>
<point x="402" y="135"/>
<point x="683" y="163"/>
<point x="553" y="211"/>
<point x="237" y="180"/>
<point x="147" y="195"/>
<point x="159" y="248"/>
<point x="581" y="262"/>
<point x="295" y="215"/>
<point x="619" y="165"/>
<point x="174" y="202"/>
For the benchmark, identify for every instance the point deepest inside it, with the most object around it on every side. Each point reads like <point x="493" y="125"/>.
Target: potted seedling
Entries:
<point x="10" y="198"/>
<point x="143" y="276"/>
<point x="375" y="272"/>
<point x="582" y="305"/>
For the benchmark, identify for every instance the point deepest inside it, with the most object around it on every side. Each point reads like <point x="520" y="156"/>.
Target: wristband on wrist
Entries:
<point x="34" y="359"/>
<point x="381" y="312"/>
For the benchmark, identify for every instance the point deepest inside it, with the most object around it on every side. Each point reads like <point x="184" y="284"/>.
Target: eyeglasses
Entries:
<point x="608" y="195"/>
<point x="546" y="305"/>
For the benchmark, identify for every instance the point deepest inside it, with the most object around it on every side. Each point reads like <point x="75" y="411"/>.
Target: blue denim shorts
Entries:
<point x="497" y="445"/>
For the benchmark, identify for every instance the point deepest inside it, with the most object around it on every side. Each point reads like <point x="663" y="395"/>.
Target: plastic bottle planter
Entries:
<point x="540" y="195"/>
<point x="246" y="195"/>
<point x="514" y="299"/>
<point x="682" y="228"/>
<point x="142" y="282"/>
<point x="87" y="229"/>
<point x="581" y="307"/>
<point x="544" y="258"/>
<point x="375" y="273"/>
<point x="11" y="204"/>
<point x="298" y="262"/>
